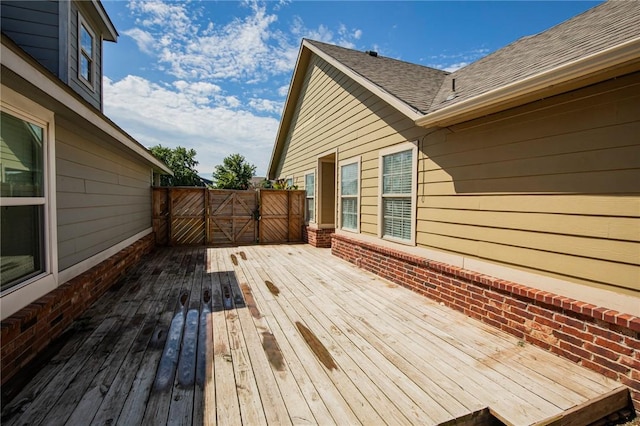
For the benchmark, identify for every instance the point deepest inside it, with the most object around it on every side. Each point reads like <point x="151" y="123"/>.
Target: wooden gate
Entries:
<point x="232" y="217"/>
<point x="281" y="216"/>
<point x="200" y="216"/>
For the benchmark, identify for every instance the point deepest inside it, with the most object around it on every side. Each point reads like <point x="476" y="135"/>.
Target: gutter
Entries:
<point x="548" y="82"/>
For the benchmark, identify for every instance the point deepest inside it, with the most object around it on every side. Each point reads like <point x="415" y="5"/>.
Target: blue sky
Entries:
<point x="213" y="75"/>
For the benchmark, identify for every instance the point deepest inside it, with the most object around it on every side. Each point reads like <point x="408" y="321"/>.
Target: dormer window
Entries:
<point x="86" y="53"/>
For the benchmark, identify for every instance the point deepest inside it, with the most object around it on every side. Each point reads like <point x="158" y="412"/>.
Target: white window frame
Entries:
<point x="91" y="83"/>
<point x="413" y="146"/>
<point x="289" y="181"/>
<point x="307" y="198"/>
<point x="348" y="162"/>
<point x="20" y="295"/>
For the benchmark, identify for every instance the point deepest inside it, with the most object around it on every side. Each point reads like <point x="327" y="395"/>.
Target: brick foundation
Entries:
<point x="317" y="237"/>
<point x="27" y="332"/>
<point x="600" y="339"/>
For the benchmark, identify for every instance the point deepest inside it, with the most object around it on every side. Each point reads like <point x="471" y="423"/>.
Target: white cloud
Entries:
<point x="283" y="90"/>
<point x="454" y="61"/>
<point x="246" y="48"/>
<point x="455" y="67"/>
<point x="206" y="92"/>
<point x="266" y="105"/>
<point x="170" y="115"/>
<point x="143" y="39"/>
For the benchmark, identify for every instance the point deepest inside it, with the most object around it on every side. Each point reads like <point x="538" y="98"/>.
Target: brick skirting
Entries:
<point x="600" y="339"/>
<point x="28" y="332"/>
<point x="317" y="237"/>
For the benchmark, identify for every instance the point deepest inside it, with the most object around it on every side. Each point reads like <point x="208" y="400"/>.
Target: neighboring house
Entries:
<point x="509" y="189"/>
<point x="76" y="197"/>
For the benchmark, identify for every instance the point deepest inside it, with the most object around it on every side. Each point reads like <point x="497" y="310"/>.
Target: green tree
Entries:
<point x="233" y="173"/>
<point x="182" y="162"/>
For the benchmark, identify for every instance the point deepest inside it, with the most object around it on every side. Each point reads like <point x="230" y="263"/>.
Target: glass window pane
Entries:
<point x="350" y="213"/>
<point x="309" y="184"/>
<point x="311" y="210"/>
<point x="85" y="68"/>
<point x="349" y="179"/>
<point x="21" y="249"/>
<point x="86" y="41"/>
<point x="21" y="148"/>
<point x="397" y="173"/>
<point x="397" y="217"/>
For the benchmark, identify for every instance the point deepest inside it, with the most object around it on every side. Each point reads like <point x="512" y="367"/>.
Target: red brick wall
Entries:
<point x="603" y="340"/>
<point x="27" y="332"/>
<point x="317" y="237"/>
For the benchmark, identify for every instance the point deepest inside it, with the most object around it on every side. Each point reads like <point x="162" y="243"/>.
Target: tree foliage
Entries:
<point x="182" y="162"/>
<point x="233" y="173"/>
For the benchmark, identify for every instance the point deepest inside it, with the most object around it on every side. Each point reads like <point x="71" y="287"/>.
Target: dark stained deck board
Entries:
<point x="289" y="334"/>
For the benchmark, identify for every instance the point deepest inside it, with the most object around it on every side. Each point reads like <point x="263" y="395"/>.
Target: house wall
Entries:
<point x="551" y="189"/>
<point x="103" y="196"/>
<point x="336" y="113"/>
<point x="33" y="25"/>
<point x="93" y="96"/>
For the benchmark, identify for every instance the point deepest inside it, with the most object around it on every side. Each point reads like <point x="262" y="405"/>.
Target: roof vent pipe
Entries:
<point x="372" y="53"/>
<point x="453" y="84"/>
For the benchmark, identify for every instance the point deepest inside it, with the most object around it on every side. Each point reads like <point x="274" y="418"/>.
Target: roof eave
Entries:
<point x="14" y="61"/>
<point x="608" y="63"/>
<point x="110" y="34"/>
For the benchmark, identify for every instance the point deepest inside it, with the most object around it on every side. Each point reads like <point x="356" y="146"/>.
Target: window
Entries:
<point x="349" y="195"/>
<point x="86" y="53"/>
<point x="398" y="166"/>
<point x="23" y="200"/>
<point x="310" y="188"/>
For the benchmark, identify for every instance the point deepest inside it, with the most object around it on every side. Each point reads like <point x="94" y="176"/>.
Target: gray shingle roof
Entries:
<point x="415" y="85"/>
<point x="427" y="89"/>
<point x="593" y="31"/>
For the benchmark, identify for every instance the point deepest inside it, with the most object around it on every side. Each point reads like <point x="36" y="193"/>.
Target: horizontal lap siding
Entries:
<point x="552" y="187"/>
<point x="103" y="197"/>
<point x="33" y="25"/>
<point x="335" y="112"/>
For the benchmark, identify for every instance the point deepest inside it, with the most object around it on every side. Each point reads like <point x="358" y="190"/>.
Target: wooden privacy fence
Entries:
<point x="201" y="216"/>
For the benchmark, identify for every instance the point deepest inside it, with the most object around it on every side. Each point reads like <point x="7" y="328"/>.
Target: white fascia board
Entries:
<point x="286" y="115"/>
<point x="377" y="90"/>
<point x="15" y="63"/>
<point x="574" y="70"/>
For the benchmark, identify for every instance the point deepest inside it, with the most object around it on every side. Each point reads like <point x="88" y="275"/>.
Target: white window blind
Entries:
<point x="310" y="188"/>
<point x="397" y="184"/>
<point x="349" y="196"/>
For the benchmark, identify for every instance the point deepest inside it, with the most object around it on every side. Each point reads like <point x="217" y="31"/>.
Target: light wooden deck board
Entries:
<point x="291" y="335"/>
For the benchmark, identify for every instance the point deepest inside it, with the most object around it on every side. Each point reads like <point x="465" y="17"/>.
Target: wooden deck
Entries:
<point x="292" y="335"/>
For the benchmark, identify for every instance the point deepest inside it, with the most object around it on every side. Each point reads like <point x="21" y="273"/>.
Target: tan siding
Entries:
<point x="103" y="197"/>
<point x="552" y="187"/>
